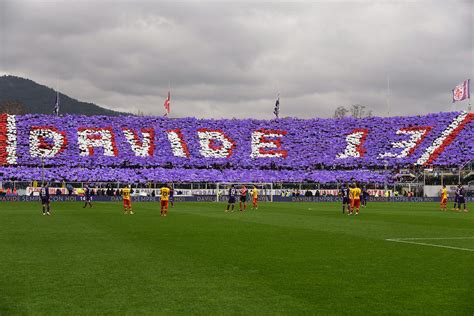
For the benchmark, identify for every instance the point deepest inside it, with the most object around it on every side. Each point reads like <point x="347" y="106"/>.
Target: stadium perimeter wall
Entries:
<point x="212" y="198"/>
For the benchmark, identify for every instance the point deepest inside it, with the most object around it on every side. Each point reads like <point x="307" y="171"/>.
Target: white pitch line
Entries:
<point x="428" y="238"/>
<point x="404" y="240"/>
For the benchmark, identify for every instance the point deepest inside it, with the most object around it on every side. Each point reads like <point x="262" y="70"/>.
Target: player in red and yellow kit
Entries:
<point x="350" y="207"/>
<point x="164" y="198"/>
<point x="444" y="198"/>
<point x="254" y="198"/>
<point x="243" y="198"/>
<point x="355" y="200"/>
<point x="127" y="200"/>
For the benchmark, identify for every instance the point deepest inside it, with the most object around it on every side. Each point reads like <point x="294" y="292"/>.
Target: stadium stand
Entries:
<point x="143" y="149"/>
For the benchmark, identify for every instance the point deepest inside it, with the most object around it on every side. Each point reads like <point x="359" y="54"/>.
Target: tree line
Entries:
<point x="355" y="110"/>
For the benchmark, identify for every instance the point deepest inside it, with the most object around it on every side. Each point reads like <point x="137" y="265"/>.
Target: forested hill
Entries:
<point x="20" y="96"/>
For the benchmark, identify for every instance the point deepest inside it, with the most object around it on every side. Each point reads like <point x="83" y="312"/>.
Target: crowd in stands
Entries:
<point x="192" y="150"/>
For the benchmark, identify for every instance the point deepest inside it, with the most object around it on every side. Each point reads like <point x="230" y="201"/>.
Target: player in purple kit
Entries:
<point x="461" y="198"/>
<point x="365" y="196"/>
<point x="87" y="195"/>
<point x="344" y="191"/>
<point x="456" y="198"/>
<point x="171" y="197"/>
<point x="231" y="201"/>
<point x="44" y="195"/>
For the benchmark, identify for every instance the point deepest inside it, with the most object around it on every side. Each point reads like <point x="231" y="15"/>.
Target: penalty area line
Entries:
<point x="411" y="241"/>
<point x="428" y="238"/>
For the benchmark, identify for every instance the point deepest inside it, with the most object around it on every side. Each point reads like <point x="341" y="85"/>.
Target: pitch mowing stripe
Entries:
<point x="408" y="241"/>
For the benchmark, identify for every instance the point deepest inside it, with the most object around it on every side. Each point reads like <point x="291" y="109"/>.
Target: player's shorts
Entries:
<point x="171" y="198"/>
<point x="243" y="199"/>
<point x="356" y="203"/>
<point x="254" y="200"/>
<point x="345" y="200"/>
<point x="444" y="201"/>
<point x="44" y="201"/>
<point x="88" y="198"/>
<point x="231" y="200"/>
<point x="127" y="203"/>
<point x="461" y="200"/>
<point x="164" y="204"/>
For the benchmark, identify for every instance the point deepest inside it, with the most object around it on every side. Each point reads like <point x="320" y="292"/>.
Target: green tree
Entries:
<point x="340" y="112"/>
<point x="12" y="107"/>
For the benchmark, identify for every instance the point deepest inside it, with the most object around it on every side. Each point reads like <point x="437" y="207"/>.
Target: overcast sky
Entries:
<point x="231" y="58"/>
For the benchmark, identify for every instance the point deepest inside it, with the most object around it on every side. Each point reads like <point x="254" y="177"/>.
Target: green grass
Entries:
<point x="285" y="258"/>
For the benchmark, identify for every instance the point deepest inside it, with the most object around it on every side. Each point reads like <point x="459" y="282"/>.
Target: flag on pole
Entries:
<point x="167" y="103"/>
<point x="276" y="110"/>
<point x="461" y="91"/>
<point x="56" y="105"/>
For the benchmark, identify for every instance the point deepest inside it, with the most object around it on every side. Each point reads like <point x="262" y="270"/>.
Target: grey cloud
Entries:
<point x="226" y="59"/>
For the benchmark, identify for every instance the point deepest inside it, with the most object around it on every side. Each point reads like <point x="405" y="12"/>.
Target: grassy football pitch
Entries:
<point x="285" y="258"/>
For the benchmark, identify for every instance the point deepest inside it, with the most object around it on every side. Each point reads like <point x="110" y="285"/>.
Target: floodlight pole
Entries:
<point x="388" y="95"/>
<point x="459" y="175"/>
